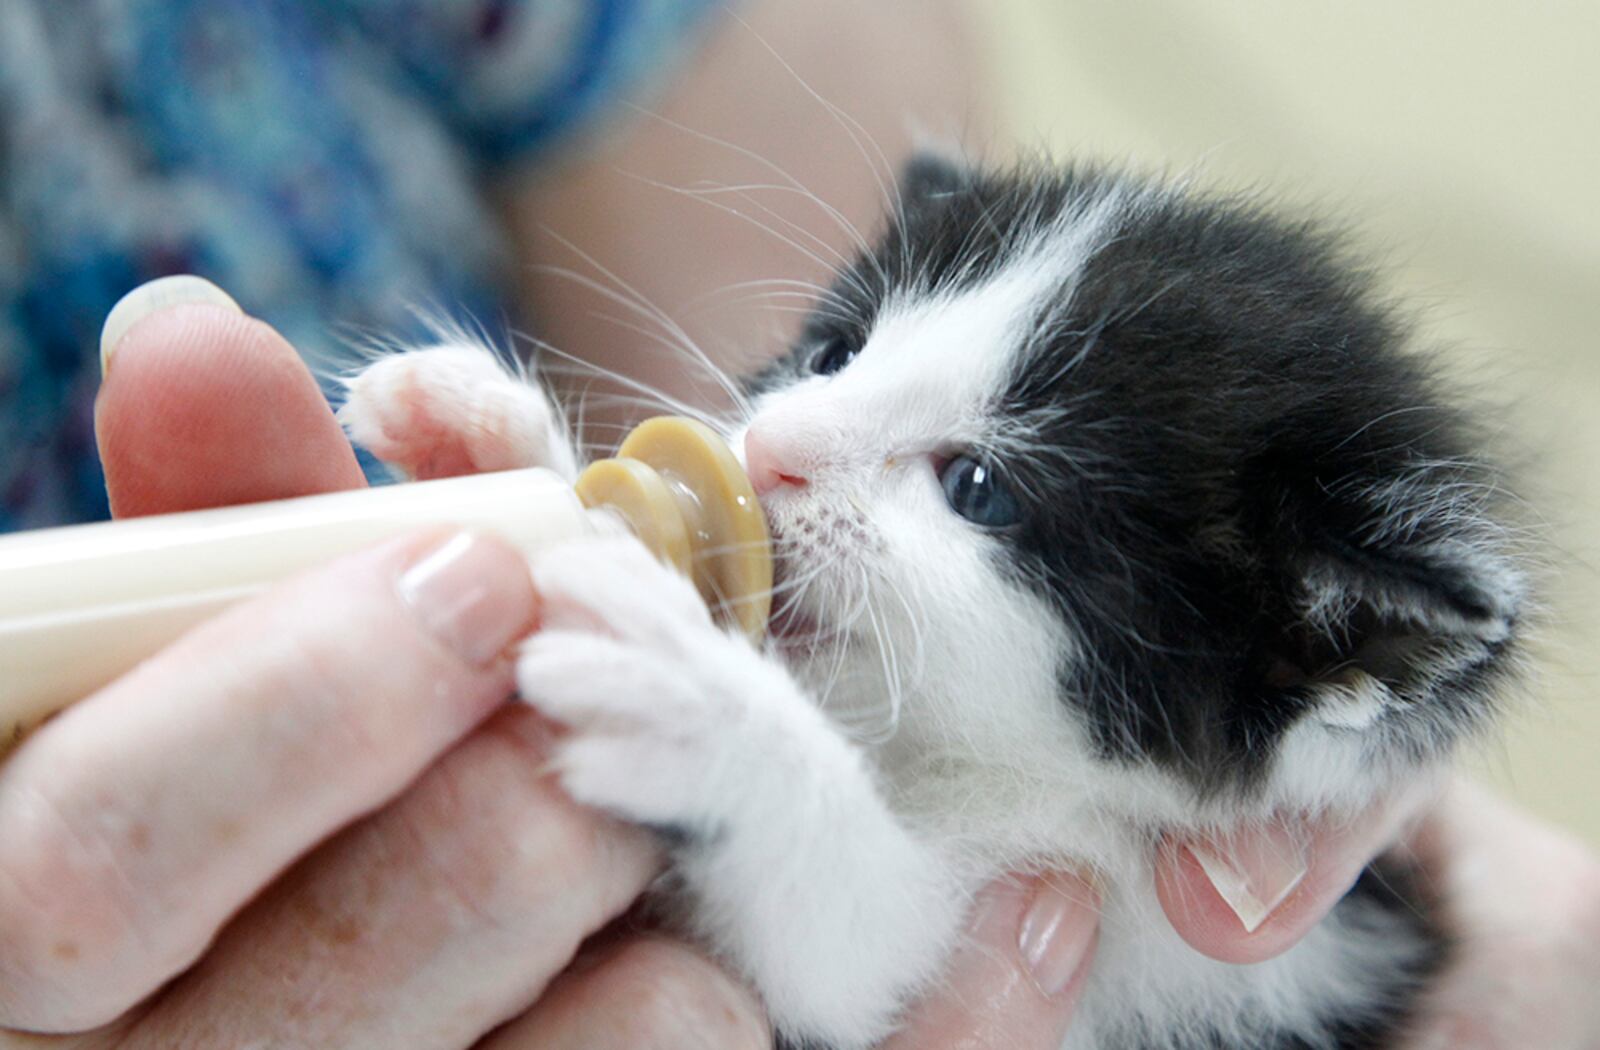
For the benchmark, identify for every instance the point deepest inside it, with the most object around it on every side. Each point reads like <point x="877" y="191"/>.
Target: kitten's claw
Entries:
<point x="449" y="410"/>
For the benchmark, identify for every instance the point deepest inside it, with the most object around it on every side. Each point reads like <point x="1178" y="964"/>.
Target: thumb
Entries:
<point x="202" y="406"/>
<point x="1015" y="979"/>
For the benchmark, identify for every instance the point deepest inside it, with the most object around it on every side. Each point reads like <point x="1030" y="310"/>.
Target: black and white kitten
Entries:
<point x="1103" y="511"/>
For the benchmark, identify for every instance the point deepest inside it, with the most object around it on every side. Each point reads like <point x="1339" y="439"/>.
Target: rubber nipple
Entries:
<point x="677" y="485"/>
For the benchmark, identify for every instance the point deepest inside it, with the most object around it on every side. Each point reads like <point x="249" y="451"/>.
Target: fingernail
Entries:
<point x="1254" y="871"/>
<point x="1057" y="931"/>
<point x="163" y="293"/>
<point x="464" y="596"/>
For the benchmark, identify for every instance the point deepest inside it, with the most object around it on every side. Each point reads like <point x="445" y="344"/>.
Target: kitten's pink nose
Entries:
<point x="766" y="467"/>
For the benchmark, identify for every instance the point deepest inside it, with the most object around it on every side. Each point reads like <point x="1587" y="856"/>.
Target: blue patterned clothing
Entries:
<point x="320" y="159"/>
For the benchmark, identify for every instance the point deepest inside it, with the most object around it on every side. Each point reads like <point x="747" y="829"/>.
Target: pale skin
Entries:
<point x="184" y="865"/>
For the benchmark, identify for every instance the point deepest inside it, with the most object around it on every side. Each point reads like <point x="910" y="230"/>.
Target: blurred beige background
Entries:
<point x="1463" y="138"/>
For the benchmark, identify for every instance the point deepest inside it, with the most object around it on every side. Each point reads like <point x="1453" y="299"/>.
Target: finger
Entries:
<point x="141" y="818"/>
<point x="1016" y="981"/>
<point x="108" y="1038"/>
<point x="202" y="406"/>
<point x="1251" y="895"/>
<point x="1523" y="901"/>
<point x="641" y="991"/>
<point x="426" y="925"/>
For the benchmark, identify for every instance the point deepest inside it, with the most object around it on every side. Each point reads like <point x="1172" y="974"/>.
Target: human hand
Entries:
<point x="155" y="887"/>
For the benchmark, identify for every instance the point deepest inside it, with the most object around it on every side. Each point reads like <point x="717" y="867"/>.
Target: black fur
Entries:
<point x="1216" y="417"/>
<point x="794" y="1042"/>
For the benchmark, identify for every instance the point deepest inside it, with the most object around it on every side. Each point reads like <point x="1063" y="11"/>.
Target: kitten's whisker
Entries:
<point x="789" y="180"/>
<point x="680" y="339"/>
<point x="886" y="659"/>
<point x="851" y="127"/>
<point x="795" y="283"/>
<point x="724" y="383"/>
<point x="914" y="623"/>
<point x="770" y="289"/>
<point x="848" y="622"/>
<point x="743" y="190"/>
<point x="659" y="397"/>
<point x="835" y="266"/>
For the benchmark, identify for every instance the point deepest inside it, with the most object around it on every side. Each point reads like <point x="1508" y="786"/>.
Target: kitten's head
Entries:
<point x="1074" y="458"/>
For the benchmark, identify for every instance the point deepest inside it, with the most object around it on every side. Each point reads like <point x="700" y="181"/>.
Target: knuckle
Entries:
<point x="71" y="943"/>
<point x="347" y="709"/>
<point x="504" y="845"/>
<point x="676" y="996"/>
<point x="330" y="717"/>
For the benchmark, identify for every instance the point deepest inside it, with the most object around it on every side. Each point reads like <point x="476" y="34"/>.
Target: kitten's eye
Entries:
<point x="834" y="355"/>
<point x="977" y="493"/>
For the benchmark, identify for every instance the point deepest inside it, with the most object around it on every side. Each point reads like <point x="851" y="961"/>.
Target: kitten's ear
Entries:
<point x="1405" y="600"/>
<point x="930" y="175"/>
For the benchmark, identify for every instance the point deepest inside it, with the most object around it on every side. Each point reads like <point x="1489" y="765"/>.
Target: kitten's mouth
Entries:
<point x="795" y="629"/>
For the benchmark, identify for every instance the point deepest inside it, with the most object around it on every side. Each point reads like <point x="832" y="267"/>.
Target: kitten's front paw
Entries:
<point x="658" y="698"/>
<point x="798" y="872"/>
<point x="450" y="410"/>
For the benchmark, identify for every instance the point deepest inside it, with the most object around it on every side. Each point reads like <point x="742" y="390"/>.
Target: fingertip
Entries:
<point x="1017" y="975"/>
<point x="149" y="298"/>
<point x="1056" y="935"/>
<point x="640" y="991"/>
<point x="473" y="594"/>
<point x="209" y="407"/>
<point x="1203" y="916"/>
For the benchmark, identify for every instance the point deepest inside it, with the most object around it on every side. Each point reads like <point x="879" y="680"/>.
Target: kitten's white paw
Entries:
<point x="647" y="734"/>
<point x="800" y="874"/>
<point x="657" y="697"/>
<point x="453" y="409"/>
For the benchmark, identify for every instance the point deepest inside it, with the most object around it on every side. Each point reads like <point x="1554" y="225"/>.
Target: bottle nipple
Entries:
<point x="677" y="485"/>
